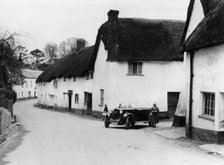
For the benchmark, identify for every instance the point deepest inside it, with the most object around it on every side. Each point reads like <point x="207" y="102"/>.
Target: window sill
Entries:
<point x="207" y="117"/>
<point x="135" y="75"/>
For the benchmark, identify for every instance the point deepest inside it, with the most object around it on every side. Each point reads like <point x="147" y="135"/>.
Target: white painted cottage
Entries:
<point x="137" y="62"/>
<point x="28" y="88"/>
<point x="134" y="62"/>
<point x="67" y="84"/>
<point x="204" y="66"/>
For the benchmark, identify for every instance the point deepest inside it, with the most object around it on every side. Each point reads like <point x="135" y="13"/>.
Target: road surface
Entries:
<point x="56" y="138"/>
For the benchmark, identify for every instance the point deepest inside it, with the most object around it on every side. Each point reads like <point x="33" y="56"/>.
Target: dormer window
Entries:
<point x="55" y="83"/>
<point x="135" y="68"/>
<point x="88" y="75"/>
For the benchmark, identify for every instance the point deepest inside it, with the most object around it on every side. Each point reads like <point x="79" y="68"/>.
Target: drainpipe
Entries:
<point x="189" y="131"/>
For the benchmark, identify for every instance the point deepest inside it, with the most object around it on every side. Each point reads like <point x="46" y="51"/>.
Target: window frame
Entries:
<point x="208" y="104"/>
<point x="101" y="97"/>
<point x="76" y="98"/>
<point x="55" y="84"/>
<point x="90" y="74"/>
<point x="85" y="98"/>
<point x="135" y="68"/>
<point x="74" y="79"/>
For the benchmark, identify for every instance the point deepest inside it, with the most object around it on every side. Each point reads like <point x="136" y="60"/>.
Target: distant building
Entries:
<point x="204" y="67"/>
<point x="28" y="88"/>
<point x="65" y="84"/>
<point x="134" y="61"/>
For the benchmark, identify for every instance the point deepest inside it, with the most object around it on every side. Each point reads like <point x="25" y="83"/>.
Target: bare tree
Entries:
<point x="62" y="49"/>
<point x="51" y="49"/>
<point x="71" y="45"/>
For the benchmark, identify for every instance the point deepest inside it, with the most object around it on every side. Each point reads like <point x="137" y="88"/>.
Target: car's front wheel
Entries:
<point x="106" y="122"/>
<point x="128" y="122"/>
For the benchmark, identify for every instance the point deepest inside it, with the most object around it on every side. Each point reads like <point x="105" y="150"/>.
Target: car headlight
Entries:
<point x="121" y="111"/>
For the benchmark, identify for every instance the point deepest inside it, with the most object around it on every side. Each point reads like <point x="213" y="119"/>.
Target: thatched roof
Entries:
<point x="209" y="5"/>
<point x="29" y="73"/>
<point x="73" y="65"/>
<point x="209" y="32"/>
<point x="131" y="39"/>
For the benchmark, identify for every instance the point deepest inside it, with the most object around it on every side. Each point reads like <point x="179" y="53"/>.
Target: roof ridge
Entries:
<point x="202" y="34"/>
<point x="153" y="19"/>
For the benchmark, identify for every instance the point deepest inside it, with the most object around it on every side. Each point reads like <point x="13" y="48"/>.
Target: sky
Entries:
<point x="56" y="20"/>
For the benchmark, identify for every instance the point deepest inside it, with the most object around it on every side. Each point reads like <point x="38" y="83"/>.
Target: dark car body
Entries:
<point x="127" y="116"/>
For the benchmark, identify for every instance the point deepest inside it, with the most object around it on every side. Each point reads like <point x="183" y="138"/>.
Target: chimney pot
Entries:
<point x="113" y="15"/>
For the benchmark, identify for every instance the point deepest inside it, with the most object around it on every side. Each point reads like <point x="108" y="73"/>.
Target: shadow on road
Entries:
<point x="136" y="127"/>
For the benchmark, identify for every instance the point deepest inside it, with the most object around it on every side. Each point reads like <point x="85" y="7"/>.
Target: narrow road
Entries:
<point x="56" y="138"/>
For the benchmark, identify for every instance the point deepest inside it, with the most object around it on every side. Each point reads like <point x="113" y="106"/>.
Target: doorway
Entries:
<point x="88" y="101"/>
<point x="69" y="100"/>
<point x="172" y="99"/>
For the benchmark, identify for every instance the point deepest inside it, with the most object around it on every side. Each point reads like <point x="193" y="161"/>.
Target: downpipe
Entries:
<point x="189" y="131"/>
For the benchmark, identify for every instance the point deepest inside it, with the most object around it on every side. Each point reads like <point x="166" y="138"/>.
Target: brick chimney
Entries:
<point x="81" y="43"/>
<point x="113" y="16"/>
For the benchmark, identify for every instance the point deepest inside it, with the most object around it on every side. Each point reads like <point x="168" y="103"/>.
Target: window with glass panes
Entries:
<point x="135" y="68"/>
<point x="209" y="104"/>
<point x="76" y="98"/>
<point x="55" y="83"/>
<point x="101" y="97"/>
<point x="85" y="97"/>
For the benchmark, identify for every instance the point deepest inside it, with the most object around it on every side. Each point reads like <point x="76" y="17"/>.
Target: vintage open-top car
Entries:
<point x="127" y="116"/>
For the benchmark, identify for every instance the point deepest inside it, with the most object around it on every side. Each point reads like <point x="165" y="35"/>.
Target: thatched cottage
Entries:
<point x="135" y="62"/>
<point x="204" y="65"/>
<point x="67" y="83"/>
<point x="27" y="89"/>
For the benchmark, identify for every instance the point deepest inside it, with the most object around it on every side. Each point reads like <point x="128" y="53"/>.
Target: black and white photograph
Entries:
<point x="111" y="82"/>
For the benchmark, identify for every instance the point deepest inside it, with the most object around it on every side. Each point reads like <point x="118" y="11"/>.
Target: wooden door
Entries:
<point x="172" y="99"/>
<point x="89" y="104"/>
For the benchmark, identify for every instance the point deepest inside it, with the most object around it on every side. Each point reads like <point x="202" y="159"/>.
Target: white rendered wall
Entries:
<point x="208" y="77"/>
<point x="196" y="17"/>
<point x="101" y="74"/>
<point x="51" y="96"/>
<point x="158" y="79"/>
<point x="23" y="91"/>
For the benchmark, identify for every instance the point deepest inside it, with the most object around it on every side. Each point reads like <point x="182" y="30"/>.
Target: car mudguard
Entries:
<point x="129" y="114"/>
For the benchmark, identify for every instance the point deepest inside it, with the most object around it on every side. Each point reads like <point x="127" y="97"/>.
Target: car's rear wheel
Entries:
<point x="106" y="122"/>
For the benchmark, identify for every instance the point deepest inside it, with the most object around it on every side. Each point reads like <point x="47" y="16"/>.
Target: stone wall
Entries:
<point x="5" y="119"/>
<point x="7" y="104"/>
<point x="208" y="135"/>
